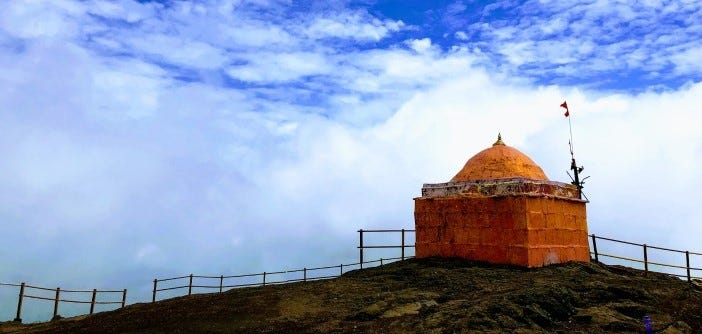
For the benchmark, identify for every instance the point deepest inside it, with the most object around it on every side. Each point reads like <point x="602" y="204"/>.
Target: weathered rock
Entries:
<point x="679" y="327"/>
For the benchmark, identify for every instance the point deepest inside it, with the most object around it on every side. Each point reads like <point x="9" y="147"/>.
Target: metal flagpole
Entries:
<point x="573" y="165"/>
<point x="570" y="142"/>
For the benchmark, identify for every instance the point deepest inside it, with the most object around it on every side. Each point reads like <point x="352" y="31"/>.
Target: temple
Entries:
<point x="502" y="209"/>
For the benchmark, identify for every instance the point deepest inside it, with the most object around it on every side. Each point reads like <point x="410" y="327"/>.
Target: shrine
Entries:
<point x="502" y="209"/>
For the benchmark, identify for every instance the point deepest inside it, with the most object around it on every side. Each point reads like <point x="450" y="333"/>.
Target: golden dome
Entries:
<point x="499" y="162"/>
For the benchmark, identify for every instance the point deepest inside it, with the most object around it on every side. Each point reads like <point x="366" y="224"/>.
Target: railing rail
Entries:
<point x="264" y="278"/>
<point x="58" y="297"/>
<point x="593" y="240"/>
<point x="645" y="261"/>
<point x="402" y="245"/>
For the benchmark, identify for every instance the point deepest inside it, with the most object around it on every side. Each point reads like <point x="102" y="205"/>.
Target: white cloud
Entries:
<point x="243" y="34"/>
<point x="553" y="26"/>
<point x="178" y="51"/>
<point x="387" y="70"/>
<point x="688" y="60"/>
<point x="36" y="19"/>
<point x="355" y="25"/>
<point x="126" y="10"/>
<point x="420" y="45"/>
<point x="280" y="67"/>
<point x="518" y="53"/>
<point x="636" y="36"/>
<point x="118" y="95"/>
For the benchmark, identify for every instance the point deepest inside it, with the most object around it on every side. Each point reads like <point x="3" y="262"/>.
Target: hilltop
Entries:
<point x="421" y="296"/>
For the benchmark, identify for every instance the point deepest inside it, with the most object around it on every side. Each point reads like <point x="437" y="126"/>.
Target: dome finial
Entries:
<point x="499" y="140"/>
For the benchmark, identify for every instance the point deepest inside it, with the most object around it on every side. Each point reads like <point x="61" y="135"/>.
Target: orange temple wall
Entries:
<point x="529" y="231"/>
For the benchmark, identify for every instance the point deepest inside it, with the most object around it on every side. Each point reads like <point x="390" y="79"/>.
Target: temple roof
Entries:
<point x="499" y="162"/>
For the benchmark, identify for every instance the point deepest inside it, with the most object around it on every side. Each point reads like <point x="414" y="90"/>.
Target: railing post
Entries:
<point x="341" y="269"/>
<point x="221" y="282"/>
<point x="153" y="297"/>
<point x="360" y="247"/>
<point x="381" y="261"/>
<point x="19" y="304"/>
<point x="304" y="274"/>
<point x="92" y="301"/>
<point x="403" y="244"/>
<point x="190" y="285"/>
<point x="594" y="247"/>
<point x="124" y="297"/>
<point x="56" y="302"/>
<point x="687" y="265"/>
<point x="264" y="278"/>
<point x="645" y="259"/>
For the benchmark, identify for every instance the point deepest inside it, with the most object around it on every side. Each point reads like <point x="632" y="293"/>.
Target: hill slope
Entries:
<point x="422" y="296"/>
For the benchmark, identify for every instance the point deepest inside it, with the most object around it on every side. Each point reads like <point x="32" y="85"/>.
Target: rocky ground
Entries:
<point x="421" y="296"/>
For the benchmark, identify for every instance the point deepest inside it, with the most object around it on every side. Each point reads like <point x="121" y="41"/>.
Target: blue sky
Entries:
<point x="152" y="139"/>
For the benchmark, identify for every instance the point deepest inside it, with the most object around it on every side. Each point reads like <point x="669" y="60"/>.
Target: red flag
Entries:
<point x="565" y="105"/>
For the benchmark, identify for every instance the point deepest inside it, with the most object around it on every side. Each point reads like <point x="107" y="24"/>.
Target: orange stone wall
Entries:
<point x="529" y="231"/>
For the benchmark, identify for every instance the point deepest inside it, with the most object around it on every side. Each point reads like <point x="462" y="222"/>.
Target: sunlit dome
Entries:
<point x="499" y="162"/>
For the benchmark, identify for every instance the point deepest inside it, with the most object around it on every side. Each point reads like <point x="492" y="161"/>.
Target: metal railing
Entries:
<point x="58" y="297"/>
<point x="645" y="261"/>
<point x="260" y="279"/>
<point x="402" y="244"/>
<point x="593" y="239"/>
